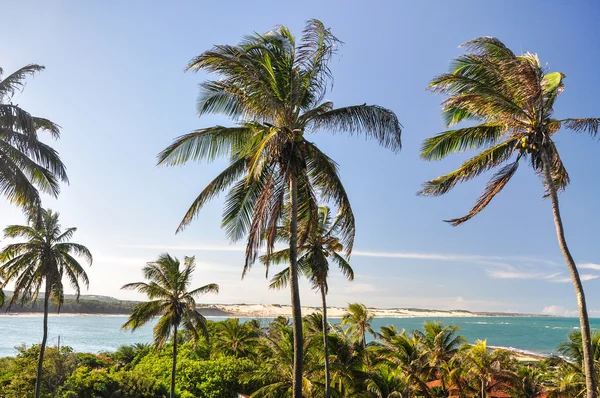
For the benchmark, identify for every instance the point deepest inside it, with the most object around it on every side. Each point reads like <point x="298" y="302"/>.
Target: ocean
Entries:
<point x="95" y="333"/>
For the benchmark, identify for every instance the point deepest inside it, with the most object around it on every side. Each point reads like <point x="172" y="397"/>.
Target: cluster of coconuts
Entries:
<point x="526" y="145"/>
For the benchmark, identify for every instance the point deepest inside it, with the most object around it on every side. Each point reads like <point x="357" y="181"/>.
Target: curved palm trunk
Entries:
<point x="588" y="360"/>
<point x="295" y="293"/>
<point x="38" y="379"/>
<point x="325" y="343"/>
<point x="174" y="362"/>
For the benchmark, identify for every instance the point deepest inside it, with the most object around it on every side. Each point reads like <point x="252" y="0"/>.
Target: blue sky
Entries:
<point x="115" y="83"/>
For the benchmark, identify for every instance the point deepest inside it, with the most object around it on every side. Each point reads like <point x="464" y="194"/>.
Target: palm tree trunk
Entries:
<point x="38" y="380"/>
<point x="174" y="362"/>
<point x="584" y="322"/>
<point x="295" y="292"/>
<point x="325" y="343"/>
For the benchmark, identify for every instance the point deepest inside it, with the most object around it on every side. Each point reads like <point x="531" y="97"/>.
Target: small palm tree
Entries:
<point x="511" y="100"/>
<point x="440" y="344"/>
<point x="235" y="339"/>
<point x="274" y="87"/>
<point x="170" y="299"/>
<point x="358" y="319"/>
<point x="320" y="245"/>
<point x="26" y="164"/>
<point x="487" y="370"/>
<point x="43" y="259"/>
<point x="404" y="351"/>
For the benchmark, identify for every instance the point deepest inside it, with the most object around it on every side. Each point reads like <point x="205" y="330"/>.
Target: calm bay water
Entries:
<point x="102" y="333"/>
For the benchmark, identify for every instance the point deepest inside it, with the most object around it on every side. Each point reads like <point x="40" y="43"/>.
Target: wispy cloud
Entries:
<point x="521" y="275"/>
<point x="583" y="277"/>
<point x="589" y="266"/>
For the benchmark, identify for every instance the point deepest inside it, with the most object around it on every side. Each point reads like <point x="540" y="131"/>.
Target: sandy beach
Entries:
<point x="275" y="310"/>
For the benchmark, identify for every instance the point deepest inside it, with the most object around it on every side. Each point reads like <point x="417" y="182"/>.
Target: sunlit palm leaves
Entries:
<point x="358" y="320"/>
<point x="273" y="86"/>
<point x="170" y="299"/>
<point x="511" y="99"/>
<point x="45" y="258"/>
<point x="26" y="164"/>
<point x="47" y="255"/>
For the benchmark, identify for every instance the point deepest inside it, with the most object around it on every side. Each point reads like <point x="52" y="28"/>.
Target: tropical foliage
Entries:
<point x="432" y="362"/>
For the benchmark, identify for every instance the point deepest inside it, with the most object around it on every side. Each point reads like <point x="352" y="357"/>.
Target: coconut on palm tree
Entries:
<point x="27" y="165"/>
<point x="172" y="301"/>
<point x="273" y="86"/>
<point x="510" y="98"/>
<point x="321" y="244"/>
<point x="43" y="260"/>
<point x="358" y="318"/>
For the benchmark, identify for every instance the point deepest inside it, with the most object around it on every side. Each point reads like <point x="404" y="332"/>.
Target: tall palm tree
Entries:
<point x="26" y="163"/>
<point x="440" y="344"/>
<point x="358" y="319"/>
<point x="172" y="301"/>
<point x="274" y="87"/>
<point x="320" y="245"/>
<point x="511" y="100"/>
<point x="46" y="256"/>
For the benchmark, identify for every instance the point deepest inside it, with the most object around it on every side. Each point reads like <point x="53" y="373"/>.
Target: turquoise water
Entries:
<point x="102" y="333"/>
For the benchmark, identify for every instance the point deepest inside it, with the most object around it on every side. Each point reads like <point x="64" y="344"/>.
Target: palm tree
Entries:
<point x="358" y="319"/>
<point x="43" y="259"/>
<point x="170" y="299"/>
<point x="320" y="245"/>
<point x="274" y="87"/>
<point x="440" y="343"/>
<point x="26" y="164"/>
<point x="404" y="351"/>
<point x="276" y="352"/>
<point x="511" y="100"/>
<point x="486" y="371"/>
<point x="235" y="339"/>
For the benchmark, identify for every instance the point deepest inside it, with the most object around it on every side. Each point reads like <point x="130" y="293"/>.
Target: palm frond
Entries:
<point x="496" y="184"/>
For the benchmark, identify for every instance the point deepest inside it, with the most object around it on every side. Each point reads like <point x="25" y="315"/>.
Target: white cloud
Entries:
<point x="554" y="310"/>
<point x="590" y="266"/>
<point x="583" y="277"/>
<point x="496" y="274"/>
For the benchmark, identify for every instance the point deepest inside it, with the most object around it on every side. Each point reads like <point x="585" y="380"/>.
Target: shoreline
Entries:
<point x="267" y="311"/>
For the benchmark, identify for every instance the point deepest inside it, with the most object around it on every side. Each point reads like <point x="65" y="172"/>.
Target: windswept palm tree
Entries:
<point x="172" y="301"/>
<point x="274" y="87"/>
<point x="46" y="256"/>
<point x="510" y="99"/>
<point x="26" y="163"/>
<point x="321" y="245"/>
<point x="358" y="318"/>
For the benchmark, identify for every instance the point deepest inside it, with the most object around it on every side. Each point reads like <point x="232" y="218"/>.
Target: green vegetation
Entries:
<point x="172" y="301"/>
<point x="73" y="306"/>
<point x="244" y="358"/>
<point x="274" y="86"/>
<point x="511" y="99"/>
